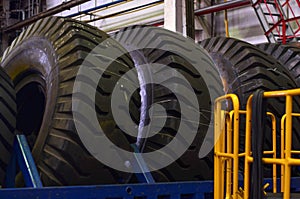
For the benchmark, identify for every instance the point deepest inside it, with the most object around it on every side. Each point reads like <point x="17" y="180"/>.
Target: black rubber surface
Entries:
<point x="245" y="68"/>
<point x="159" y="48"/>
<point x="47" y="57"/>
<point x="8" y="110"/>
<point x="258" y="118"/>
<point x="287" y="55"/>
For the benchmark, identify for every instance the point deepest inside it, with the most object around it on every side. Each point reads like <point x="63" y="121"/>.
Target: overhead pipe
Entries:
<point x="73" y="3"/>
<point x="222" y="6"/>
<point x="202" y="11"/>
<point x="124" y="11"/>
<point x="159" y="22"/>
<point x="211" y="9"/>
<point x="47" y="13"/>
<point x="96" y="8"/>
<point x="22" y="12"/>
<point x="208" y="10"/>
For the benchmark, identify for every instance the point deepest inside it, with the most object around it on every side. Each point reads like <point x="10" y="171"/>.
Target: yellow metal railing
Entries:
<point x="229" y="157"/>
<point x="228" y="150"/>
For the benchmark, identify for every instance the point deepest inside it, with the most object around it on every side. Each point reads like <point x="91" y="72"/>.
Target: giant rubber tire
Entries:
<point x="8" y="109"/>
<point x="189" y="166"/>
<point x="245" y="68"/>
<point x="287" y="55"/>
<point x="49" y="54"/>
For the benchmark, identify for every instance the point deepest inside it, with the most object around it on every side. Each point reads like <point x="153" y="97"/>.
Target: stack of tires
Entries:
<point x="42" y="67"/>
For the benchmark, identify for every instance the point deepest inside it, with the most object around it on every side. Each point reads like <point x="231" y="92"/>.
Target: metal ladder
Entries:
<point x="279" y="19"/>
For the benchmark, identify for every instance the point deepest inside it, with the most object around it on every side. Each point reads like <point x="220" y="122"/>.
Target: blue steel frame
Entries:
<point x="22" y="155"/>
<point x="148" y="189"/>
<point x="183" y="190"/>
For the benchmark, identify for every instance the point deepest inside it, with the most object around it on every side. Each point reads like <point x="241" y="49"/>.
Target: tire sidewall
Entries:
<point x="36" y="54"/>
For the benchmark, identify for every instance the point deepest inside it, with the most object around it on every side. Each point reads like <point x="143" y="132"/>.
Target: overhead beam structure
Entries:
<point x="47" y="13"/>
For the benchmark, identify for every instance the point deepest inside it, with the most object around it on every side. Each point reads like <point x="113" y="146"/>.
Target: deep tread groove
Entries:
<point x="188" y="165"/>
<point x="287" y="55"/>
<point x="69" y="49"/>
<point x="246" y="68"/>
<point x="8" y="111"/>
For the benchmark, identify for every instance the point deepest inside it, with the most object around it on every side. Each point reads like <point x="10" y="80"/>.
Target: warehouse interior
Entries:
<point x="111" y="16"/>
<point x="158" y="99"/>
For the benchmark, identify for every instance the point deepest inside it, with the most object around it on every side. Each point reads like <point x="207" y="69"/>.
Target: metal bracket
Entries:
<point x="142" y="171"/>
<point x="22" y="155"/>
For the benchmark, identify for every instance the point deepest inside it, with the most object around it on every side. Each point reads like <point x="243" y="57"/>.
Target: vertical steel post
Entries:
<point x="190" y="18"/>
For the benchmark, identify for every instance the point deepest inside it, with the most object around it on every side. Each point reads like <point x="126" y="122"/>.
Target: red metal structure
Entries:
<point x="280" y="20"/>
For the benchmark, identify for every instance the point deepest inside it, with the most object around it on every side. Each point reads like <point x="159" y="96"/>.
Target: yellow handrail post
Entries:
<point x="273" y="119"/>
<point x="229" y="160"/>
<point x="217" y="178"/>
<point x="288" y="146"/>
<point x="247" y="148"/>
<point x="236" y="107"/>
<point x="282" y="152"/>
<point x="223" y="151"/>
<point x="222" y="159"/>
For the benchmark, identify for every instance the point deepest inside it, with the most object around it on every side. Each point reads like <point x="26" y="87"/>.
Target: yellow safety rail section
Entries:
<point x="226" y="135"/>
<point x="228" y="151"/>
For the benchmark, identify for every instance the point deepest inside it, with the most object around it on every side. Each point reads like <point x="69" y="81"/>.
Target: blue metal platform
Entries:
<point x="148" y="189"/>
<point x="184" y="190"/>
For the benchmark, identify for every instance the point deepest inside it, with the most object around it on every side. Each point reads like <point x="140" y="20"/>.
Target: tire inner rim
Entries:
<point x="30" y="104"/>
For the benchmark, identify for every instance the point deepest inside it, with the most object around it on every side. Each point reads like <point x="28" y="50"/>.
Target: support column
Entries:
<point x="179" y="17"/>
<point x="173" y="13"/>
<point x="190" y="18"/>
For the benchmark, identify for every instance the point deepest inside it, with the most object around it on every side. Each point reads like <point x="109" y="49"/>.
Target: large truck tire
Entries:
<point x="245" y="69"/>
<point x="8" y="109"/>
<point x="43" y="63"/>
<point x="287" y="55"/>
<point x="150" y="46"/>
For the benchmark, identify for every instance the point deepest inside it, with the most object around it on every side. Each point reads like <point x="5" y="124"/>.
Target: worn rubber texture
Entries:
<point x="287" y="55"/>
<point x="245" y="68"/>
<point x="158" y="46"/>
<point x="49" y="54"/>
<point x="8" y="110"/>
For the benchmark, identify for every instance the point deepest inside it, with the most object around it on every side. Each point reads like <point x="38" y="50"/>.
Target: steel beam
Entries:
<point x="222" y="6"/>
<point x="124" y="11"/>
<point x="47" y="13"/>
<point x="97" y="8"/>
